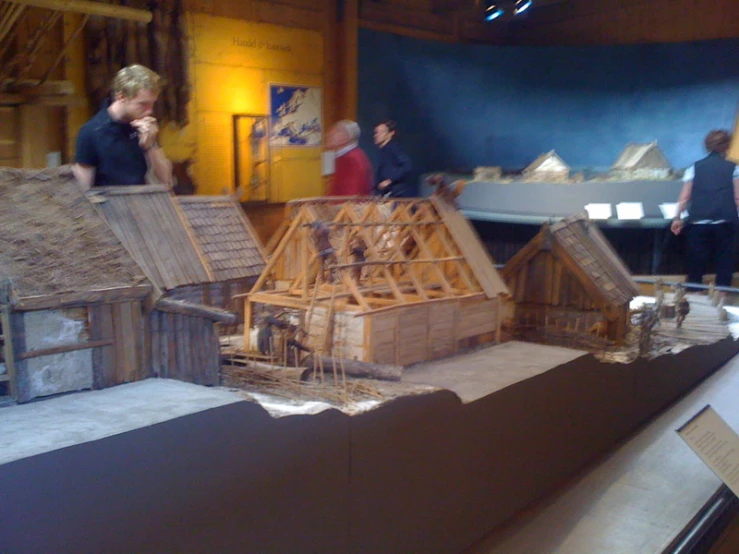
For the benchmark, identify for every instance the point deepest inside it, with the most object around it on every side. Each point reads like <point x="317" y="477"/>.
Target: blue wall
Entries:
<point x="463" y="105"/>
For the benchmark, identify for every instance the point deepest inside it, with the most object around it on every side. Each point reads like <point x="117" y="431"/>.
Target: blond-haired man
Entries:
<point x="118" y="146"/>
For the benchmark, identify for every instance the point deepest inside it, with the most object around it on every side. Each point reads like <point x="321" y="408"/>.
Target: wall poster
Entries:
<point x="295" y="115"/>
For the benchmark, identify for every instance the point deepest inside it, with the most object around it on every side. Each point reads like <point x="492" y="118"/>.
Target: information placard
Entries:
<point x="716" y="443"/>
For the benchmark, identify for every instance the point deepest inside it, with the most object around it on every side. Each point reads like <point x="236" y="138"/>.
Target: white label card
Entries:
<point x="716" y="443"/>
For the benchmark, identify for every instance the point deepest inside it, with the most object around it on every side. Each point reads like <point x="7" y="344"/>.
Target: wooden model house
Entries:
<point x="641" y="161"/>
<point x="72" y="295"/>
<point x="548" y="167"/>
<point x="488" y="173"/>
<point x="198" y="249"/>
<point x="570" y="287"/>
<point x="77" y="310"/>
<point x="392" y="282"/>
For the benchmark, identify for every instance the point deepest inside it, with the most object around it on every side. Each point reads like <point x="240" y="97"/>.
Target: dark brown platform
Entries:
<point x="423" y="474"/>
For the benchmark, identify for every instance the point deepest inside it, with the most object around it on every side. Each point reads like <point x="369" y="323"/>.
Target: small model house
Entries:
<point x="570" y="287"/>
<point x="71" y="295"/>
<point x="77" y="310"/>
<point x="198" y="249"/>
<point x="548" y="167"/>
<point x="383" y="282"/>
<point x="488" y="173"/>
<point x="641" y="161"/>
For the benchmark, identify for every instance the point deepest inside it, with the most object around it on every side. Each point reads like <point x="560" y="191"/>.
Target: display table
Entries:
<point x="536" y="203"/>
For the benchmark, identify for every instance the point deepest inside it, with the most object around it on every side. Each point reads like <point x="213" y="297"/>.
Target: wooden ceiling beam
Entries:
<point x="89" y="7"/>
<point x="33" y="87"/>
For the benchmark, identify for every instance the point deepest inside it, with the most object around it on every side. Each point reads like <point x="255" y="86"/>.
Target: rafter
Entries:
<point x="88" y="7"/>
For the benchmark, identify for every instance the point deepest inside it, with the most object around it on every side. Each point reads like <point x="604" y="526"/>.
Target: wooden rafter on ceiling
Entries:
<point x="88" y="7"/>
<point x="14" y="72"/>
<point x="9" y="16"/>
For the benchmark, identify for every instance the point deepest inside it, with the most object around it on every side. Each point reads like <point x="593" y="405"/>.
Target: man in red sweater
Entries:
<point x="353" y="174"/>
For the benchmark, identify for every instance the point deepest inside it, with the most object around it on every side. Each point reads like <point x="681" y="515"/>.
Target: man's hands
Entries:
<point x="384" y="184"/>
<point x="148" y="130"/>
<point x="676" y="226"/>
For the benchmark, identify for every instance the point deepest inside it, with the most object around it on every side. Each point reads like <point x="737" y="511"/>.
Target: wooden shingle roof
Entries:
<point x="55" y="248"/>
<point x="227" y="241"/>
<point x="148" y="222"/>
<point x="581" y="245"/>
<point x="581" y="239"/>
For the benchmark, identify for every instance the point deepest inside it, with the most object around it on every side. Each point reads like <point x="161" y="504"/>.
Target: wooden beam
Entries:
<point x="349" y="59"/>
<point x="172" y="306"/>
<point x="29" y="303"/>
<point x="7" y="99"/>
<point x="62" y="349"/>
<point x="34" y="87"/>
<point x="478" y="296"/>
<point x="88" y="7"/>
<point x="34" y="136"/>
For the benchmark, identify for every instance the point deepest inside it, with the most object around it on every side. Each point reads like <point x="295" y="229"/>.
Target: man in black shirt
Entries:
<point x="118" y="146"/>
<point x="393" y="168"/>
<point x="711" y="194"/>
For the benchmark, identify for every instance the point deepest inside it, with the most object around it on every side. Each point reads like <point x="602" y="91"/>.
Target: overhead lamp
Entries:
<point x="521" y="6"/>
<point x="493" y="11"/>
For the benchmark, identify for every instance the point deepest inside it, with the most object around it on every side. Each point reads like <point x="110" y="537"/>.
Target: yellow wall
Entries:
<point x="734" y="149"/>
<point x="232" y="63"/>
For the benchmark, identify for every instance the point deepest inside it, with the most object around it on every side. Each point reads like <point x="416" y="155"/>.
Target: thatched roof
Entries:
<point x="54" y="244"/>
<point x="227" y="241"/>
<point x="647" y="155"/>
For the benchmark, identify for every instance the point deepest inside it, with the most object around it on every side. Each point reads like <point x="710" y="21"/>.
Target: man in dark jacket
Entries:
<point x="711" y="194"/>
<point x="392" y="172"/>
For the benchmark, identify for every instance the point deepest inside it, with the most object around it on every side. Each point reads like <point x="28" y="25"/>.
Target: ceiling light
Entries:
<point x="492" y="11"/>
<point x="521" y="6"/>
<point x="495" y="9"/>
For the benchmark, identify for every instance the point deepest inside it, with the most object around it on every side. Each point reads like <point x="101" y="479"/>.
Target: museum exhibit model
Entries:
<point x="428" y="395"/>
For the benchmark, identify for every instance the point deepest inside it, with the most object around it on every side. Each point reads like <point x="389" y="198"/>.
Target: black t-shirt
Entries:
<point x="112" y="148"/>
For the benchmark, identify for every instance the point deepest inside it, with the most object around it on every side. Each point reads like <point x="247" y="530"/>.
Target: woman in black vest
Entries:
<point x="393" y="168"/>
<point x="711" y="194"/>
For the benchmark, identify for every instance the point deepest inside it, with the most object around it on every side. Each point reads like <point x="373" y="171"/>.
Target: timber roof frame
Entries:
<point x="412" y="254"/>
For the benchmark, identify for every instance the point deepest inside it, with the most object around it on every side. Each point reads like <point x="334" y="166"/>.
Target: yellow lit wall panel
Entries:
<point x="232" y="65"/>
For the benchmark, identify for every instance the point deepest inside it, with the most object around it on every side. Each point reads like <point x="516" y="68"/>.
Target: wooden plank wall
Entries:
<point x="184" y="347"/>
<point x="10" y="136"/>
<point x="476" y="318"/>
<point x="218" y="295"/>
<point x="545" y="280"/>
<point x="414" y="334"/>
<point x="123" y="361"/>
<point x="349" y="336"/>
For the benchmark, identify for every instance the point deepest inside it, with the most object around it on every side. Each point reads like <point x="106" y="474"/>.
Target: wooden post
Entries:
<point x="8" y="338"/>
<point x="247" y="323"/>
